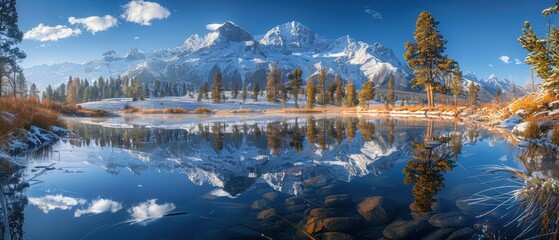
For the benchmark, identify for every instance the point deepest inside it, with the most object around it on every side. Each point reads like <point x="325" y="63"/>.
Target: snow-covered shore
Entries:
<point x="23" y="141"/>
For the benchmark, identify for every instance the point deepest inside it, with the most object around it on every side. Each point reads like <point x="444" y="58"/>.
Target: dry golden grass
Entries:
<point x="415" y="108"/>
<point x="239" y="111"/>
<point x="533" y="129"/>
<point x="530" y="103"/>
<point x="151" y="111"/>
<point x="24" y="113"/>
<point x="58" y="107"/>
<point x="131" y="109"/>
<point x="202" y="110"/>
<point x="93" y="112"/>
<point x="176" y="110"/>
<point x="136" y="109"/>
<point x="312" y="110"/>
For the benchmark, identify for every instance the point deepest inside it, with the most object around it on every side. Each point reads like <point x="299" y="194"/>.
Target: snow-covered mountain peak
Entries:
<point x="241" y="59"/>
<point x="192" y="43"/>
<point x="232" y="32"/>
<point x="294" y="35"/>
<point x="470" y="76"/>
<point x="110" y="56"/>
<point x="134" y="54"/>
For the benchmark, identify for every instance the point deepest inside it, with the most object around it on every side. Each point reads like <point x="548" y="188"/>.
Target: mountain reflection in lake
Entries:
<point x="309" y="177"/>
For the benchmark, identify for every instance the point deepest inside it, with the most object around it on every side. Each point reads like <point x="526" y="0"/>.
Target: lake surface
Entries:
<point x="269" y="177"/>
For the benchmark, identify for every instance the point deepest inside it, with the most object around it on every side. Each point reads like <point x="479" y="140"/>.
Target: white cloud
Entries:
<point x="47" y="33"/>
<point x="136" y="38"/>
<point x="213" y="26"/>
<point x="52" y="202"/>
<point x="99" y="205"/>
<point x="491" y="65"/>
<point x="517" y="61"/>
<point x="375" y="14"/>
<point x="149" y="211"/>
<point x="95" y="23"/>
<point x="505" y="59"/>
<point x="142" y="12"/>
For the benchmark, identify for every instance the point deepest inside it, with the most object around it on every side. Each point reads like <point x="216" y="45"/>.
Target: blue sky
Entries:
<point x="479" y="32"/>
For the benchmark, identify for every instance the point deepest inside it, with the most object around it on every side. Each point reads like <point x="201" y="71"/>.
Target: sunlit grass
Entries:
<point x="24" y="113"/>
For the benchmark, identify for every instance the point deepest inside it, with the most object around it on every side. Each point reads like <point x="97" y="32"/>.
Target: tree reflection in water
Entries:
<point x="430" y="159"/>
<point x="13" y="201"/>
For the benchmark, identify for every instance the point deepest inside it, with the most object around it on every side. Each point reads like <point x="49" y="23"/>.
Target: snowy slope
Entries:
<point x="491" y="85"/>
<point x="241" y="58"/>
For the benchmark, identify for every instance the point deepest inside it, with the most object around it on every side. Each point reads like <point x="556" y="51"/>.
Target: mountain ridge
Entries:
<point x="241" y="58"/>
<point x="244" y="59"/>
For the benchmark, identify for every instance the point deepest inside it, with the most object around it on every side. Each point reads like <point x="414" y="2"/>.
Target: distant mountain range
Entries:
<point x="245" y="59"/>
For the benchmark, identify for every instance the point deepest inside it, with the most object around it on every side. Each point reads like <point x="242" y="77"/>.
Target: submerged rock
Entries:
<point x="270" y="196"/>
<point x="294" y="201"/>
<point x="338" y="236"/>
<point x="440" y="233"/>
<point x="316" y="181"/>
<point x="338" y="201"/>
<point x="463" y="233"/>
<point x="377" y="210"/>
<point x="260" y="204"/>
<point x="405" y="228"/>
<point x="450" y="219"/>
<point x="296" y="208"/>
<point x="313" y="225"/>
<point x="7" y="165"/>
<point x="266" y="214"/>
<point x="320" y="213"/>
<point x="342" y="224"/>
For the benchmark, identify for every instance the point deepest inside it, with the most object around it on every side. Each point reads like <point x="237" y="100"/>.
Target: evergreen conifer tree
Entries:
<point x="217" y="88"/>
<point x="351" y="94"/>
<point x="295" y="84"/>
<point x="310" y="93"/>
<point x="367" y="93"/>
<point x="426" y="57"/>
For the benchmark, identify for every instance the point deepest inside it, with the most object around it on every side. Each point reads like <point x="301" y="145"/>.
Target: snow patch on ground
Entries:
<point x="511" y="122"/>
<point x="187" y="102"/>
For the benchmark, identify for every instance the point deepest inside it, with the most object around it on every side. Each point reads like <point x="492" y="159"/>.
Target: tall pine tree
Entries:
<point x="351" y="94"/>
<point x="295" y="84"/>
<point x="310" y="88"/>
<point x="322" y="74"/>
<point x="426" y="57"/>
<point x="255" y="91"/>
<point x="10" y="36"/>
<point x="543" y="53"/>
<point x="456" y="84"/>
<point x="367" y="93"/>
<point x="273" y="85"/>
<point x="217" y="88"/>
<point x="340" y="91"/>
<point x="390" y="96"/>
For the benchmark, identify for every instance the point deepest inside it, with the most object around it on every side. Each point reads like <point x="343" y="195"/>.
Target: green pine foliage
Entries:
<point x="543" y="52"/>
<point x="217" y="88"/>
<point x="427" y="59"/>
<point x="456" y="84"/>
<point x="295" y="83"/>
<point x="339" y="94"/>
<point x="367" y="93"/>
<point x="310" y="92"/>
<point x="390" y="96"/>
<point x="255" y="92"/>
<point x="11" y="36"/>
<point x="351" y="93"/>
